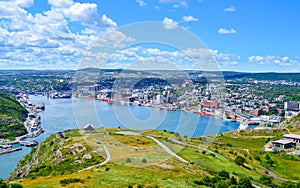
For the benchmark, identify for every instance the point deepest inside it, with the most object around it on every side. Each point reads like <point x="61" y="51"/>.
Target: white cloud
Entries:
<point x="138" y="57"/>
<point x="189" y="18"/>
<point x="45" y="40"/>
<point x="60" y="3"/>
<point x="230" y="9"/>
<point x="226" y="59"/>
<point x="226" y="31"/>
<point x="14" y="8"/>
<point x="141" y="3"/>
<point x="281" y="61"/>
<point x="169" y="23"/>
<point x="85" y="13"/>
<point x="108" y="22"/>
<point x="178" y="2"/>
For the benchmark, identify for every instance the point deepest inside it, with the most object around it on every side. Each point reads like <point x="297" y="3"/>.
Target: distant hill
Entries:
<point x="263" y="76"/>
<point x="12" y="115"/>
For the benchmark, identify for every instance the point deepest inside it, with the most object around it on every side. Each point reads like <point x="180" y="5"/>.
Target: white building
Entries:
<point x="291" y="106"/>
<point x="159" y="99"/>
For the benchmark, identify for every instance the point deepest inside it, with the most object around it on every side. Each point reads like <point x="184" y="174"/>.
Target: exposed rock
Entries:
<point x="87" y="156"/>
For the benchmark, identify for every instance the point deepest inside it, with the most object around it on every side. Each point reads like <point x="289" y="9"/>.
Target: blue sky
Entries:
<point x="243" y="35"/>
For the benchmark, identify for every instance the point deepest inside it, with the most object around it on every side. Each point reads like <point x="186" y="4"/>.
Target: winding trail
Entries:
<point x="191" y="145"/>
<point x="108" y="157"/>
<point x="167" y="149"/>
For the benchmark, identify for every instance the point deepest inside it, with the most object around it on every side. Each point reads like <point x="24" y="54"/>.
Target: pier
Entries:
<point x="32" y="125"/>
<point x="9" y="150"/>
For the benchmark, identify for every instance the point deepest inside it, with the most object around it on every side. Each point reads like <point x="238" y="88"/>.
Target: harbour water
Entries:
<point x="63" y="114"/>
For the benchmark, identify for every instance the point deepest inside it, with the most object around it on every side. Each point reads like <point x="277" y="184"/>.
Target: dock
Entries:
<point x="9" y="150"/>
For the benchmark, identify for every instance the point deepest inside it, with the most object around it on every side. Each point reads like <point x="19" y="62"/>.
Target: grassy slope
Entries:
<point x="170" y="172"/>
<point x="12" y="115"/>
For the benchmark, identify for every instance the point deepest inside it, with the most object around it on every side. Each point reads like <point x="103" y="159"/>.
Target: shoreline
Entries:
<point x="29" y="124"/>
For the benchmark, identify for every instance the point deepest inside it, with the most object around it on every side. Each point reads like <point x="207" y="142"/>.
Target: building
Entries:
<point x="292" y="137"/>
<point x="283" y="145"/>
<point x="186" y="84"/>
<point x="210" y="104"/>
<point x="291" y="106"/>
<point x="88" y="128"/>
<point x="256" y="112"/>
<point x="159" y="99"/>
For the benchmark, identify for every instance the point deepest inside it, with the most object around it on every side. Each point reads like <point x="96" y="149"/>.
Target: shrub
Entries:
<point x="224" y="174"/>
<point x="71" y="180"/>
<point x="229" y="145"/>
<point x="128" y="160"/>
<point x="245" y="182"/>
<point x="266" y="180"/>
<point x="3" y="184"/>
<point x="15" y="186"/>
<point x="240" y="160"/>
<point x="206" y="181"/>
<point x="233" y="181"/>
<point x="222" y="184"/>
<point x="198" y="182"/>
<point x="256" y="157"/>
<point x="144" y="161"/>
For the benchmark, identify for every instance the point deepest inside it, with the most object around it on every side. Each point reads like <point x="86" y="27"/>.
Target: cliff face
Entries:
<point x="61" y="153"/>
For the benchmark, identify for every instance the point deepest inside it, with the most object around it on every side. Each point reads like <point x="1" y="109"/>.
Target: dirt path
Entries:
<point x="271" y="174"/>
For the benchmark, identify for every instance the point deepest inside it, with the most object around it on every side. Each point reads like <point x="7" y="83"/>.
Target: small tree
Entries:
<point x="240" y="160"/>
<point x="266" y="180"/>
<point x="245" y="182"/>
<point x="233" y="181"/>
<point x="3" y="184"/>
<point x="16" y="185"/>
<point x="224" y="174"/>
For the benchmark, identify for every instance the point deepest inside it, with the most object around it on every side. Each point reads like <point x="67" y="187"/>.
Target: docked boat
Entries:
<point x="29" y="143"/>
<point x="109" y="100"/>
<point x="202" y="113"/>
<point x="40" y="106"/>
<point x="57" y="95"/>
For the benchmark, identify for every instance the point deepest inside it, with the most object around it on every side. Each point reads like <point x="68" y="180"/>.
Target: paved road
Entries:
<point x="108" y="157"/>
<point x="167" y="149"/>
<point x="191" y="145"/>
<point x="199" y="147"/>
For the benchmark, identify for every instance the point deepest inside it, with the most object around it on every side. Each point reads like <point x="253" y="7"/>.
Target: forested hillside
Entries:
<point x="12" y="115"/>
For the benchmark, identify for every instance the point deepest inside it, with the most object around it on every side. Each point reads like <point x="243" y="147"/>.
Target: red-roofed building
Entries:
<point x="210" y="104"/>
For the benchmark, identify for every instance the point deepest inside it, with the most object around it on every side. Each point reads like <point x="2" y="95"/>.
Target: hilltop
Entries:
<point x="137" y="160"/>
<point x="12" y="115"/>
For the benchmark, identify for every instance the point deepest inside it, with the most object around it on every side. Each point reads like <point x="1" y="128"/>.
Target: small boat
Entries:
<point x="207" y="114"/>
<point x="201" y="113"/>
<point x="41" y="106"/>
<point x="228" y="117"/>
<point x="29" y="143"/>
<point x="109" y="100"/>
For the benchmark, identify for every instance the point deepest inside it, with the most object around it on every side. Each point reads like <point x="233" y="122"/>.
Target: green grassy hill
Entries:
<point x="12" y="115"/>
<point x="231" y="159"/>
